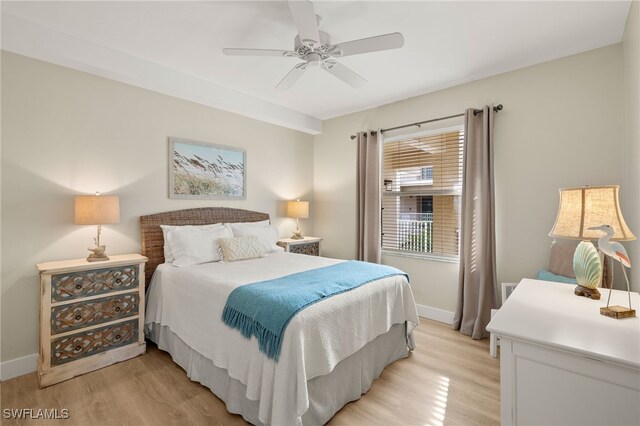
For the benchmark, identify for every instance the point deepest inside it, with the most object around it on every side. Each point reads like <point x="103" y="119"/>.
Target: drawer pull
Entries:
<point x="118" y="280"/>
<point x="117" y="309"/>
<point x="78" y="286"/>
<point x="118" y="337"/>
<point x="78" y="348"/>
<point x="78" y="317"/>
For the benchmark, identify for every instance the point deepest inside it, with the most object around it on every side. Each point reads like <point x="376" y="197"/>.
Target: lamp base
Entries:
<point x="97" y="254"/>
<point x="591" y="293"/>
<point x="618" y="312"/>
<point x="97" y="259"/>
<point x="297" y="235"/>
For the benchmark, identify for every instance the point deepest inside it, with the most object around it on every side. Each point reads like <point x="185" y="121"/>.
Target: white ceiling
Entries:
<point x="175" y="47"/>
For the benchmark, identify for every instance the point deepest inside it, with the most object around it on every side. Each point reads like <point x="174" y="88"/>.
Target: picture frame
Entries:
<point x="206" y="171"/>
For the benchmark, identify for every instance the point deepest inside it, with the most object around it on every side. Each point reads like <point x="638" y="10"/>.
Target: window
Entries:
<point x="422" y="175"/>
<point x="426" y="173"/>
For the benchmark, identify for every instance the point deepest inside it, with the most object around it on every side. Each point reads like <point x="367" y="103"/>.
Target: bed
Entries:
<point x="324" y="363"/>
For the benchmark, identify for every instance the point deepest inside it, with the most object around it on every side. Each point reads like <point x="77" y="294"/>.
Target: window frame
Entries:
<point x="446" y="258"/>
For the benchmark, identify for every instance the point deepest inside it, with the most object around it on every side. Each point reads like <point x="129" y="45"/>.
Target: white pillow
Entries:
<point x="192" y="245"/>
<point x="240" y="248"/>
<point x="168" y="255"/>
<point x="259" y="223"/>
<point x="267" y="234"/>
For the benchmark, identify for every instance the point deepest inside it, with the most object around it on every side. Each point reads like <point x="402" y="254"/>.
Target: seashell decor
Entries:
<point x="587" y="265"/>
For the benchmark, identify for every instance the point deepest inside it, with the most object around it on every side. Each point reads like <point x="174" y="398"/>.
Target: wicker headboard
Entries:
<point x="153" y="241"/>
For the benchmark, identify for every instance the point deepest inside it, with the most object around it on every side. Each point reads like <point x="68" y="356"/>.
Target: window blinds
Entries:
<point x="422" y="185"/>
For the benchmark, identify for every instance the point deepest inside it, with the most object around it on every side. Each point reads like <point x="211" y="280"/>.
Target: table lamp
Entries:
<point x="580" y="209"/>
<point x="96" y="210"/>
<point x="299" y="210"/>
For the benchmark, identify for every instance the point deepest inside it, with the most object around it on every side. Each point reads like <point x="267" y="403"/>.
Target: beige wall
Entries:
<point x="65" y="132"/>
<point x="630" y="196"/>
<point x="562" y="125"/>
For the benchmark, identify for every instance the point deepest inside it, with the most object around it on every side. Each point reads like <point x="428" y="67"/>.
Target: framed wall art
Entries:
<point x="205" y="171"/>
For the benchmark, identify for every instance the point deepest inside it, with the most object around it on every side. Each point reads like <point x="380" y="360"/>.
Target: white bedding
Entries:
<point x="190" y="302"/>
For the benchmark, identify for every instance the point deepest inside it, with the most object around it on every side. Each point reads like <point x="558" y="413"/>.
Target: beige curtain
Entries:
<point x="477" y="282"/>
<point x="369" y="204"/>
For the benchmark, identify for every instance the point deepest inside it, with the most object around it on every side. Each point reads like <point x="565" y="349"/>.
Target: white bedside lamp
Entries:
<point x="299" y="210"/>
<point x="97" y="210"/>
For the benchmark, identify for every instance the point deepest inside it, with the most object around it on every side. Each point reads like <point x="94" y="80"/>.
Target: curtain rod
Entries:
<point x="475" y="111"/>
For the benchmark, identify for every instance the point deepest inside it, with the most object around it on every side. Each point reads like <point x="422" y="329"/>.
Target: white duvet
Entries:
<point x="190" y="302"/>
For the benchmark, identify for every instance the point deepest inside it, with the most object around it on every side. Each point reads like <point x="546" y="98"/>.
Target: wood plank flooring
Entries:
<point x="449" y="379"/>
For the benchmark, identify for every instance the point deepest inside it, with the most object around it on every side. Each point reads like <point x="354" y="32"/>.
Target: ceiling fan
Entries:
<point x="315" y="49"/>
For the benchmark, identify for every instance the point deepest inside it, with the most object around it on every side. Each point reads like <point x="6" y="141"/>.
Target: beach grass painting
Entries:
<point x="200" y="170"/>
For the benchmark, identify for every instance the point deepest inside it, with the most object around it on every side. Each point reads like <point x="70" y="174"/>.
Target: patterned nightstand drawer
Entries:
<point x="84" y="314"/>
<point x="90" y="283"/>
<point x="87" y="343"/>
<point x="307" y="245"/>
<point x="312" y="249"/>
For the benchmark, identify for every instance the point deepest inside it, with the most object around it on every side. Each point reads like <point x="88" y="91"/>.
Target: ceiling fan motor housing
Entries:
<point x="311" y="51"/>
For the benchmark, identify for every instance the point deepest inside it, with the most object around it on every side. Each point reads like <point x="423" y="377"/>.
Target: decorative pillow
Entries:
<point x="561" y="259"/>
<point x="550" y="276"/>
<point x="240" y="248"/>
<point x="266" y="234"/>
<point x="168" y="254"/>
<point x="192" y="245"/>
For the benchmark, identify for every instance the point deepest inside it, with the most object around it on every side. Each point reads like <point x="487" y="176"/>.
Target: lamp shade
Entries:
<point x="298" y="209"/>
<point x="96" y="209"/>
<point x="589" y="206"/>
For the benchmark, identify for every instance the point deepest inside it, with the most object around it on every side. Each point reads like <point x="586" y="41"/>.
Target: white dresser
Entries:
<point x="562" y="363"/>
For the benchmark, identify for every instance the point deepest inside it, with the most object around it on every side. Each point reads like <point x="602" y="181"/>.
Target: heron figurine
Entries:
<point x="617" y="252"/>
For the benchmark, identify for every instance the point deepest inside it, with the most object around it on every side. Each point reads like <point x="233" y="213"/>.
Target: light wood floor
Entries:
<point x="449" y="379"/>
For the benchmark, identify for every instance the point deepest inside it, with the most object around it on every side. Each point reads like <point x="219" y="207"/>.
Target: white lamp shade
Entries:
<point x="96" y="209"/>
<point x="589" y="206"/>
<point x="298" y="209"/>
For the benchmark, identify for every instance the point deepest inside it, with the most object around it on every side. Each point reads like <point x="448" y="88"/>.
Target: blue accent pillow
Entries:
<point x="550" y="276"/>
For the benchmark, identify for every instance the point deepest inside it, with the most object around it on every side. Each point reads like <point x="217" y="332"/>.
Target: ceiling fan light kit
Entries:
<point x="314" y="47"/>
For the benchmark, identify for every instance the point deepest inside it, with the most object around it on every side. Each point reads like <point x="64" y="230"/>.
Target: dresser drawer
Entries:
<point x="92" y="342"/>
<point x="83" y="314"/>
<point x="312" y="249"/>
<point x="89" y="283"/>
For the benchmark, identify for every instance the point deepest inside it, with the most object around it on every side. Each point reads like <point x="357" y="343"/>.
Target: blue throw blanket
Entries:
<point x="264" y="309"/>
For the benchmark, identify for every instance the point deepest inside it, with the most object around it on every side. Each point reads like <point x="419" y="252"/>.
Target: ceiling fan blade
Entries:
<point x="370" y="44"/>
<point x="304" y="17"/>
<point x="258" y="52"/>
<point x="292" y="76"/>
<point x="343" y="73"/>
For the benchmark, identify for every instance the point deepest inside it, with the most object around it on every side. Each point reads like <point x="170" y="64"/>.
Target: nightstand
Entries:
<point x="91" y="315"/>
<point x="308" y="245"/>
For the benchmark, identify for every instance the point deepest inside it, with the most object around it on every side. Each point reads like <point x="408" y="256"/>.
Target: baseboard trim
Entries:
<point x="435" y="314"/>
<point x="18" y="367"/>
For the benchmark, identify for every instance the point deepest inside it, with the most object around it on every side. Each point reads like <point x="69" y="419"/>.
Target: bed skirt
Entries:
<point x="351" y="378"/>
